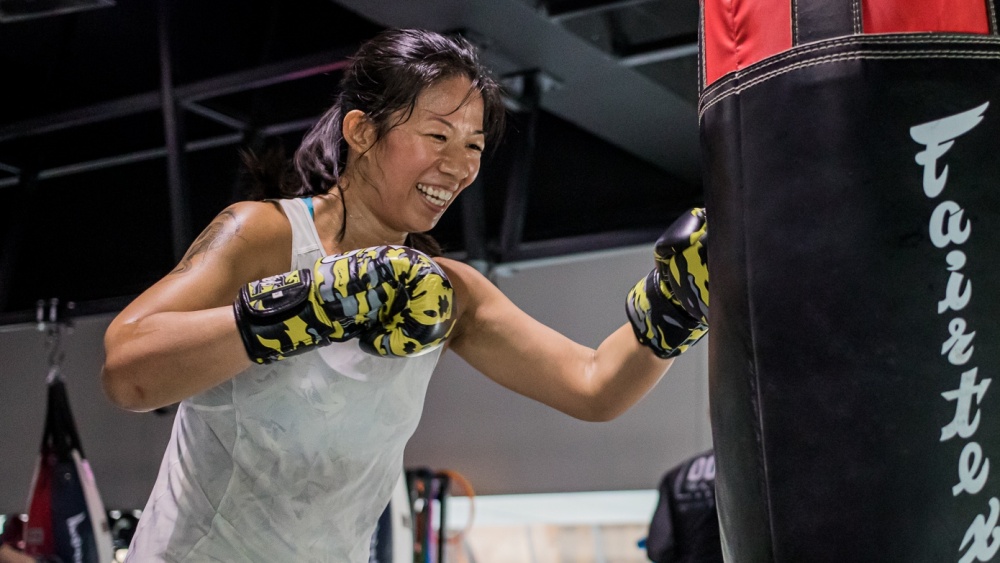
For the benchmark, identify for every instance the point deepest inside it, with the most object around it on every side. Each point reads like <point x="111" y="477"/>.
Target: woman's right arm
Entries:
<point x="179" y="337"/>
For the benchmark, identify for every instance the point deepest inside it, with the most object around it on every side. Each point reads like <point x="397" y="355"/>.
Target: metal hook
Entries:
<point x="56" y="354"/>
<point x="54" y="326"/>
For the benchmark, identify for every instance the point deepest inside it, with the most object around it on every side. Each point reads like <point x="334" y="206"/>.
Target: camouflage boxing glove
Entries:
<point x="668" y="309"/>
<point x="395" y="299"/>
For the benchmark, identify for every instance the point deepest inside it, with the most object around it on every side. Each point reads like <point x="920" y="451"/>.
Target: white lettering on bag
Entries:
<point x="937" y="137"/>
<point x="948" y="226"/>
<point x="959" y="346"/>
<point x="984" y="535"/>
<point x="72" y="523"/>
<point x="959" y="290"/>
<point x="961" y="425"/>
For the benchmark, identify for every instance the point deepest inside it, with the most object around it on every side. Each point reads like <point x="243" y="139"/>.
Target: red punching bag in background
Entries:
<point x="66" y="518"/>
<point x="851" y="151"/>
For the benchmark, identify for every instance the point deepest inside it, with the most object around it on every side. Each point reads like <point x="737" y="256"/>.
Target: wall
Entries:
<point x="501" y="442"/>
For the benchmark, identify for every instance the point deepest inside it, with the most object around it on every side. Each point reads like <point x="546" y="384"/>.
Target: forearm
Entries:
<point x="621" y="372"/>
<point x="588" y="384"/>
<point x="165" y="357"/>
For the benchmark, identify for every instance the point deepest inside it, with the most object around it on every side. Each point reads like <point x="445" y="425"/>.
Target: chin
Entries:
<point x="428" y="225"/>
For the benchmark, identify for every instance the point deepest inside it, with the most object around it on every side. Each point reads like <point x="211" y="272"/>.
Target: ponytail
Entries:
<point x="322" y="154"/>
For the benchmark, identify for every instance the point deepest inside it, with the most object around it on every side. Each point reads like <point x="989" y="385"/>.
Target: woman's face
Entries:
<point x="421" y="165"/>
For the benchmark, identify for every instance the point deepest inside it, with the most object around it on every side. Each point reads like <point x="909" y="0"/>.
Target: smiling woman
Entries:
<point x="299" y="332"/>
<point x="424" y="162"/>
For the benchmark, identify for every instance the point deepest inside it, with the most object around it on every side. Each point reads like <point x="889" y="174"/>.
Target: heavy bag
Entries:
<point x="66" y="518"/>
<point x="852" y="183"/>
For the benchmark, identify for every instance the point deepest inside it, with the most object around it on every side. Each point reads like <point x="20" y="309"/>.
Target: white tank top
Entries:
<point x="290" y="461"/>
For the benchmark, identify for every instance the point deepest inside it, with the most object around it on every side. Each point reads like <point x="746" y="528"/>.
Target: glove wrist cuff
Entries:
<point x="276" y="317"/>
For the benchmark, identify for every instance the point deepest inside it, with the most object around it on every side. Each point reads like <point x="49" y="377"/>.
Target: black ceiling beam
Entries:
<point x="217" y="116"/>
<point x="161" y="152"/>
<point x="671" y="42"/>
<point x="269" y="75"/>
<point x="473" y="207"/>
<point x="561" y="11"/>
<point x="659" y="55"/>
<point x="231" y="83"/>
<point x="519" y="173"/>
<point x="91" y="165"/>
<point x="104" y="111"/>
<point x="177" y="188"/>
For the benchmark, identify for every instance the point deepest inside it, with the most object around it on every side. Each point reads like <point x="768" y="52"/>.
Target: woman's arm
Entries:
<point x="179" y="337"/>
<point x="513" y="349"/>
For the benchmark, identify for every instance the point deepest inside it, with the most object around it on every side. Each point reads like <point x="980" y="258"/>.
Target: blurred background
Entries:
<point x="121" y="125"/>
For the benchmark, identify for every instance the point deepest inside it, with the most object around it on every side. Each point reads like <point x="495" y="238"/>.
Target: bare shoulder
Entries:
<point x="467" y="281"/>
<point x="460" y="270"/>
<point x="246" y="229"/>
<point x="244" y="242"/>
<point x="478" y="301"/>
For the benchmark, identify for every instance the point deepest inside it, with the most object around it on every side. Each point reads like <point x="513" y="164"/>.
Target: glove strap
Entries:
<point x="279" y="316"/>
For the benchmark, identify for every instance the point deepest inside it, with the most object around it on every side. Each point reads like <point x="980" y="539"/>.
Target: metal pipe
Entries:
<point x="592" y="7"/>
<point x="659" y="55"/>
<point x="216" y="116"/>
<point x="519" y="178"/>
<point x="160" y="152"/>
<point x="151" y="101"/>
<point x="180" y="216"/>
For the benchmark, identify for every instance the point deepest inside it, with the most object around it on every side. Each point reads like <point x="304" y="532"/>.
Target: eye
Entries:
<point x="475" y="147"/>
<point x="437" y="137"/>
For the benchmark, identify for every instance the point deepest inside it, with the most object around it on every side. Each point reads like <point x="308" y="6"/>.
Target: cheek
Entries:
<point x="409" y="158"/>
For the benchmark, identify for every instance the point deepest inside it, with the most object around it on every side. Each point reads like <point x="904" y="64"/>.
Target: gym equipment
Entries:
<point x="66" y="518"/>
<point x="851" y="176"/>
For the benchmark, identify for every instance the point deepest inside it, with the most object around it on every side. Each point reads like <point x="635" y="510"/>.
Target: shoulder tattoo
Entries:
<point x="223" y="229"/>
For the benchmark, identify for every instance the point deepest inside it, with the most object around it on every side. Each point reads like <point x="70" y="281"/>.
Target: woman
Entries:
<point x="294" y="460"/>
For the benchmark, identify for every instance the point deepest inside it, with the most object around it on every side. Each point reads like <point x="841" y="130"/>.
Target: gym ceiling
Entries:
<point x="122" y="121"/>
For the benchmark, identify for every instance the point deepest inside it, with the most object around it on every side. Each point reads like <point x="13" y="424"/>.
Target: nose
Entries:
<point x="458" y="163"/>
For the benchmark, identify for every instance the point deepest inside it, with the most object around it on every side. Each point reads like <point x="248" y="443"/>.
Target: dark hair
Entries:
<point x="385" y="76"/>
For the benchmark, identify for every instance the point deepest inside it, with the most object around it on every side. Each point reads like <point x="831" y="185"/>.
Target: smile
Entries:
<point x="437" y="196"/>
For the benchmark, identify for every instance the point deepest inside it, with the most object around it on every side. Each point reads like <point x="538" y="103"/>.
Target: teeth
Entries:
<point x="435" y="195"/>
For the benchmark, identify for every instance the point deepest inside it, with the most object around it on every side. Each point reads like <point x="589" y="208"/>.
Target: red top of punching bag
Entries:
<point x="738" y="33"/>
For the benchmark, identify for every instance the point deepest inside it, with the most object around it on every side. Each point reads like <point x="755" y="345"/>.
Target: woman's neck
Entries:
<point x="362" y="227"/>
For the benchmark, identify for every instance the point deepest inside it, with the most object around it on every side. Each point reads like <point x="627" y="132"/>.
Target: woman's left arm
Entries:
<point x="520" y="353"/>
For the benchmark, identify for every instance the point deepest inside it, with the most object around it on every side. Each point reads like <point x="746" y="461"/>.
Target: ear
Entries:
<point x="358" y="130"/>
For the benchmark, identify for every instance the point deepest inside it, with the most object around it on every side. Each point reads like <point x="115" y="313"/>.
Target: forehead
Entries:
<point x="451" y="99"/>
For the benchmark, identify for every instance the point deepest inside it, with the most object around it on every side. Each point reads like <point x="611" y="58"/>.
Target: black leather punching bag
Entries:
<point x="852" y="172"/>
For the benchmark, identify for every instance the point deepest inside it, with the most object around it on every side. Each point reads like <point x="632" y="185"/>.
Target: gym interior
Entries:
<point x="121" y="141"/>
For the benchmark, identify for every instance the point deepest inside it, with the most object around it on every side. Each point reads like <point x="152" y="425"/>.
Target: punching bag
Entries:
<point x="852" y="183"/>
<point x="66" y="518"/>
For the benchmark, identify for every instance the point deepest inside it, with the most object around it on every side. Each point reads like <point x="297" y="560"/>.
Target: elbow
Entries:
<point x="121" y="374"/>
<point x="597" y="410"/>
<point x="121" y="389"/>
